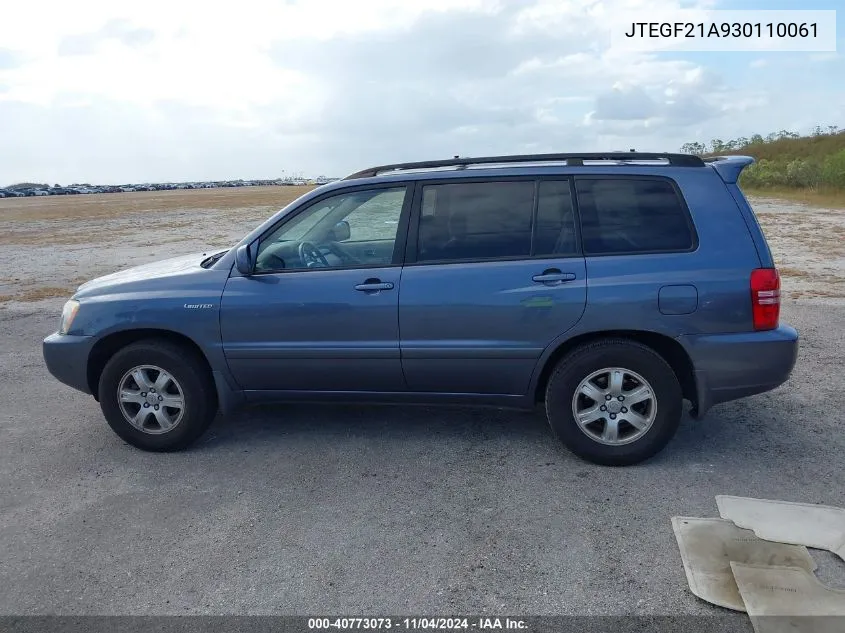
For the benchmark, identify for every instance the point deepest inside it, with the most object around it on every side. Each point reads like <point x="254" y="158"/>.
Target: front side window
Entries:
<point x="356" y="228"/>
<point x="629" y="215"/>
<point x="475" y="220"/>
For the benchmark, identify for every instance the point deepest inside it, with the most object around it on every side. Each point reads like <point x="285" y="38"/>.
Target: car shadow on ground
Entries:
<point x="754" y="430"/>
<point x="271" y="422"/>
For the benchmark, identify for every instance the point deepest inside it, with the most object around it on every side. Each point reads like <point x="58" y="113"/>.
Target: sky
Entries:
<point x="157" y="91"/>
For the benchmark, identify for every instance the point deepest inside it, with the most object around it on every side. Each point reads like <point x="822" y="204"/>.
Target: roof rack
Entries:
<point x="676" y="160"/>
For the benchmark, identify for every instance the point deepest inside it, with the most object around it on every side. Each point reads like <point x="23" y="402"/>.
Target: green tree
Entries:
<point x="693" y="148"/>
<point x="833" y="170"/>
<point x="717" y="145"/>
<point x="802" y="173"/>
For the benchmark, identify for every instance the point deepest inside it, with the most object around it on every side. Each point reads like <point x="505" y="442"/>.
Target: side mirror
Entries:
<point x="243" y="260"/>
<point x="340" y="232"/>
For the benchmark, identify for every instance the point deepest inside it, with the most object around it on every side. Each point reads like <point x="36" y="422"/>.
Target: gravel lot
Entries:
<point x="374" y="510"/>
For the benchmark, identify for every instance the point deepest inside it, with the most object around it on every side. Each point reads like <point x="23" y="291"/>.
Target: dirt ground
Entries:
<point x="50" y="245"/>
<point x="808" y="245"/>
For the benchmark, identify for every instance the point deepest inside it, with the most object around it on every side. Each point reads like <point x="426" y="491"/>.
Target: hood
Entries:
<point x="146" y="275"/>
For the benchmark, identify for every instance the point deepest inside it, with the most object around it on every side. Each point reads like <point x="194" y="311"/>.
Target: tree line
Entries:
<point x="786" y="159"/>
<point x="718" y="145"/>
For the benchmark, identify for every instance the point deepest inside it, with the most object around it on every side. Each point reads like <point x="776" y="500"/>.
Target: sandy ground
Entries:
<point x="808" y="245"/>
<point x="48" y="246"/>
<point x="370" y="510"/>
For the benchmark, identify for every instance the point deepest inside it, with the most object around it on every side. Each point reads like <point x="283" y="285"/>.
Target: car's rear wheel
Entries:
<point x="614" y="402"/>
<point x="156" y="395"/>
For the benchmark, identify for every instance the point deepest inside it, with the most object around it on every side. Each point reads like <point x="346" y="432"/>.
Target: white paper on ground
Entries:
<point x="822" y="527"/>
<point x="789" y="599"/>
<point x="709" y="545"/>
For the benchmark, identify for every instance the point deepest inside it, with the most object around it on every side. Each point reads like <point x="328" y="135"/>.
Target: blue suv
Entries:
<point x="609" y="288"/>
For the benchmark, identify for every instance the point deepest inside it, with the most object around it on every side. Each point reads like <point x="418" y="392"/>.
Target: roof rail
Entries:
<point x="677" y="160"/>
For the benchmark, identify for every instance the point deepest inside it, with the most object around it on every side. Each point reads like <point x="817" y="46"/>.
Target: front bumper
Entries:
<point x="66" y="357"/>
<point x="731" y="366"/>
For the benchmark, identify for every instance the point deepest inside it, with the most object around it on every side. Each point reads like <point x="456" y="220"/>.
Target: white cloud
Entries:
<point x="103" y="91"/>
<point x="625" y="103"/>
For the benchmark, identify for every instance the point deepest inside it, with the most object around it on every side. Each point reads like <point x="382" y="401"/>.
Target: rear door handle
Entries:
<point x="553" y="277"/>
<point x="374" y="285"/>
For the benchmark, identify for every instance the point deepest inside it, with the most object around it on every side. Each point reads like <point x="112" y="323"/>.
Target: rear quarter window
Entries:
<point x="632" y="215"/>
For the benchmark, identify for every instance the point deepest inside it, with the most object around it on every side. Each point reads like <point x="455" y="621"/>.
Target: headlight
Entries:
<point x="68" y="314"/>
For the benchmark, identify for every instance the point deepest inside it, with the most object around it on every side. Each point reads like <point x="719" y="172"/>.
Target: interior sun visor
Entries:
<point x="708" y="546"/>
<point x="821" y="527"/>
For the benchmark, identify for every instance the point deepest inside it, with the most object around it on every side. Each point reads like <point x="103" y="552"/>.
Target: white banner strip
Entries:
<point x="702" y="30"/>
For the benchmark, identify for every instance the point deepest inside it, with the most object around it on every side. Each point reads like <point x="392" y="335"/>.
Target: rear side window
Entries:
<point x="475" y="220"/>
<point x="629" y="215"/>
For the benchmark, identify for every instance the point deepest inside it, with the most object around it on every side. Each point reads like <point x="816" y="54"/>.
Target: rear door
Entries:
<point x="493" y="275"/>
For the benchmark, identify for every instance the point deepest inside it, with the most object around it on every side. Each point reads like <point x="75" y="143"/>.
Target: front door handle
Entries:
<point x="374" y="285"/>
<point x="553" y="277"/>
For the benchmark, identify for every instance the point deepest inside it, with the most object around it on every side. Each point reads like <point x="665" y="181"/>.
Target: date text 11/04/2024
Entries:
<point x="723" y="29"/>
<point x="418" y="623"/>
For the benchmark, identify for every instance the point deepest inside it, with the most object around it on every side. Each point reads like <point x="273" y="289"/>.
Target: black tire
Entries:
<point x="592" y="357"/>
<point x="187" y="368"/>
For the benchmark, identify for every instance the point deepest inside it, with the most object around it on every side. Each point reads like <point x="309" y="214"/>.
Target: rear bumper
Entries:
<point x="66" y="357"/>
<point x="731" y="366"/>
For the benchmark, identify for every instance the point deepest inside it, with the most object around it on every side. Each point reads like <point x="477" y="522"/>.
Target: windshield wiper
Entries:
<point x="209" y="261"/>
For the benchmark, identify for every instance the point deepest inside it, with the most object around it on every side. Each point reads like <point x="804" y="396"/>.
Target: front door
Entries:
<point x="497" y="277"/>
<point x="320" y="313"/>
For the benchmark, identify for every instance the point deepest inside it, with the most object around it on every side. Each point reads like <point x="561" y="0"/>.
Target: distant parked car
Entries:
<point x="13" y="193"/>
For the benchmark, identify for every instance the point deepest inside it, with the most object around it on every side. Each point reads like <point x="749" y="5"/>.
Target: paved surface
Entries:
<point x="313" y="510"/>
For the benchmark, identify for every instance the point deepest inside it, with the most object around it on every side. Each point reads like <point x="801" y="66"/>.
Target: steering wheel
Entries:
<point x="311" y="256"/>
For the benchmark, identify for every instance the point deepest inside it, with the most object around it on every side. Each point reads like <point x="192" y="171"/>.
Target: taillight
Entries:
<point x="765" y="298"/>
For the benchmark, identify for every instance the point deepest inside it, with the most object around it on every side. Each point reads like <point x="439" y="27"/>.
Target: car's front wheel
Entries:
<point x="157" y="396"/>
<point x="614" y="402"/>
